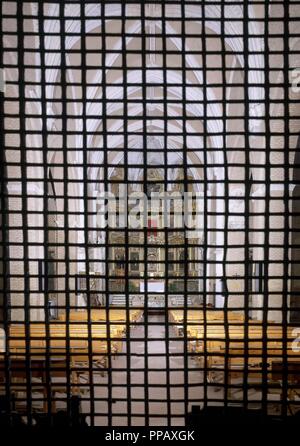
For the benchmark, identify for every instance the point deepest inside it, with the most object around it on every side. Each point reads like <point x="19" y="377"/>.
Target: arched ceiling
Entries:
<point x="232" y="42"/>
<point x="234" y="46"/>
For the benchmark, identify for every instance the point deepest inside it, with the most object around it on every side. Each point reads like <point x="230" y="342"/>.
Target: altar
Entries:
<point x="153" y="286"/>
<point x="155" y="303"/>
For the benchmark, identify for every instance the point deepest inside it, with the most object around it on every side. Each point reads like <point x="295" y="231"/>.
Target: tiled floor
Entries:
<point x="133" y="389"/>
<point x="157" y="389"/>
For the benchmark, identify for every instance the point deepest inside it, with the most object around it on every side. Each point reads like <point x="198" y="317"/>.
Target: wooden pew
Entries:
<point x="290" y="373"/>
<point x="71" y="350"/>
<point x="69" y="336"/>
<point x="226" y="349"/>
<point x="100" y="314"/>
<point x="199" y="315"/>
<point x="36" y="374"/>
<point x="195" y="316"/>
<point x="216" y="337"/>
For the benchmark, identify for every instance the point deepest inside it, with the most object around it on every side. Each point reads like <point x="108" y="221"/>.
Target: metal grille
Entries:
<point x="149" y="210"/>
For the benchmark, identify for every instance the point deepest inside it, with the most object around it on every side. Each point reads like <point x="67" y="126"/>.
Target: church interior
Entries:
<point x="149" y="270"/>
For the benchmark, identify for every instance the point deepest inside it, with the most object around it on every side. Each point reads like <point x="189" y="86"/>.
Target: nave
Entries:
<point x="150" y="369"/>
<point x="158" y="389"/>
<point x="149" y="210"/>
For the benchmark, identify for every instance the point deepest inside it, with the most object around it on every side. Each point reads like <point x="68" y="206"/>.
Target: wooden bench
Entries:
<point x="114" y="315"/>
<point x="69" y="336"/>
<point x="59" y="350"/>
<point x="200" y="315"/>
<point x="289" y="372"/>
<point x="227" y="352"/>
<point x="37" y="373"/>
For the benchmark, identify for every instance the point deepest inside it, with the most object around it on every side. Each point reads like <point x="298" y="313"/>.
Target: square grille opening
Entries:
<point x="149" y="267"/>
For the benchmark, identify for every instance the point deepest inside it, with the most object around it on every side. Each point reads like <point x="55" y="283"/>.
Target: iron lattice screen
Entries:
<point x="149" y="209"/>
